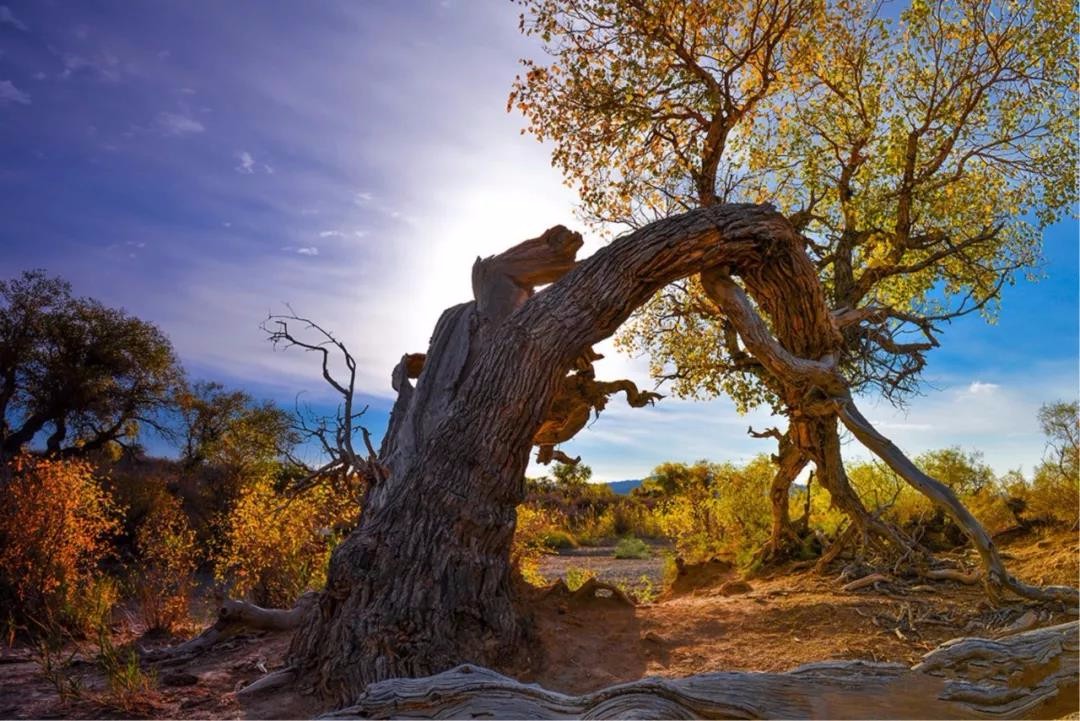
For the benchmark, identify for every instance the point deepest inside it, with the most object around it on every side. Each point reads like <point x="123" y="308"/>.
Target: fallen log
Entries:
<point x="235" y="617"/>
<point x="1032" y="674"/>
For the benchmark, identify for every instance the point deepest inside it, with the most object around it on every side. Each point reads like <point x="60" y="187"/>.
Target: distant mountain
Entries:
<point x="623" y="487"/>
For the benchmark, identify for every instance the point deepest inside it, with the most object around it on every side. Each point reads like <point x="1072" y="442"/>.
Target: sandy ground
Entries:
<point x="635" y="573"/>
<point x="713" y="621"/>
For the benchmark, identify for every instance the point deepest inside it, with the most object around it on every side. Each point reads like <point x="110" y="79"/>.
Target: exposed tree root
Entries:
<point x="951" y="574"/>
<point x="863" y="582"/>
<point x="1032" y="674"/>
<point x="234" y="617"/>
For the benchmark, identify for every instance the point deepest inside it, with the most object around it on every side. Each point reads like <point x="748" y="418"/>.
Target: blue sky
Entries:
<point x="201" y="163"/>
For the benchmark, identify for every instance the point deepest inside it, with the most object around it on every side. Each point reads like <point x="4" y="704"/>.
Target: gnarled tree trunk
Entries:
<point x="423" y="583"/>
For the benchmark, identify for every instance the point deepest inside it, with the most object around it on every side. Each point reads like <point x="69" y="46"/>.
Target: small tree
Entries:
<point x="227" y="441"/>
<point x="571" y="477"/>
<point x="1055" y="489"/>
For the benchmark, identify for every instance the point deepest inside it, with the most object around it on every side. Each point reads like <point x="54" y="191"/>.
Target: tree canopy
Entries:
<point x="83" y="374"/>
<point x="921" y="156"/>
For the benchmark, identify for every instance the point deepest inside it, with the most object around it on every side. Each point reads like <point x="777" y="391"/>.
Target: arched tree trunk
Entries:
<point x="423" y="583"/>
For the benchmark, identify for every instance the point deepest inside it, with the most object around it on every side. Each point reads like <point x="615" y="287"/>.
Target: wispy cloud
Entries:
<point x="248" y="165"/>
<point x="177" y="124"/>
<point x="247" y="162"/>
<point x="104" y="65"/>
<point x="980" y="388"/>
<point x="302" y="250"/>
<point x="11" y="94"/>
<point x="8" y="18"/>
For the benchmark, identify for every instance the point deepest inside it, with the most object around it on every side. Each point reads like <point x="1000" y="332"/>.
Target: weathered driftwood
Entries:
<point x="1033" y="674"/>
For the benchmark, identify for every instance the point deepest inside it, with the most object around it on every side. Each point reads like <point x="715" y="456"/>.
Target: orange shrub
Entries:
<point x="168" y="557"/>
<point x="55" y="525"/>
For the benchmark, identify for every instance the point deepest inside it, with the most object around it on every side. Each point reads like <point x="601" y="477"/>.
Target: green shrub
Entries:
<point x="631" y="547"/>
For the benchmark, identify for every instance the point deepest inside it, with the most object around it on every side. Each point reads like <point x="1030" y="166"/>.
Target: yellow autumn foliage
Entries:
<point x="275" y="547"/>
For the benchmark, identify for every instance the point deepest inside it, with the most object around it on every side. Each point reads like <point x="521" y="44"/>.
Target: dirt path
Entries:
<point x="778" y="623"/>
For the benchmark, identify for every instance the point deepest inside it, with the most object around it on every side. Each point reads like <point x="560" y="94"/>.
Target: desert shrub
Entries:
<point x="128" y="688"/>
<point x="631" y="547"/>
<point x="634" y="516"/>
<point x="534" y="525"/>
<point x="168" y="557"/>
<point x="714" y="510"/>
<point x="1054" y="495"/>
<point x="557" y="538"/>
<point x="55" y="526"/>
<point x="885" y="493"/>
<point x="692" y="527"/>
<point x="593" y="526"/>
<point x="92" y="604"/>
<point x="591" y="512"/>
<point x="137" y="486"/>
<point x="576" y="576"/>
<point x="275" y="546"/>
<point x="645" y="591"/>
<point x="1054" y="492"/>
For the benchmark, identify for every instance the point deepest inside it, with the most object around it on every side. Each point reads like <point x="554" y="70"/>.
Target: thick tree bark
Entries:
<point x="1029" y="675"/>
